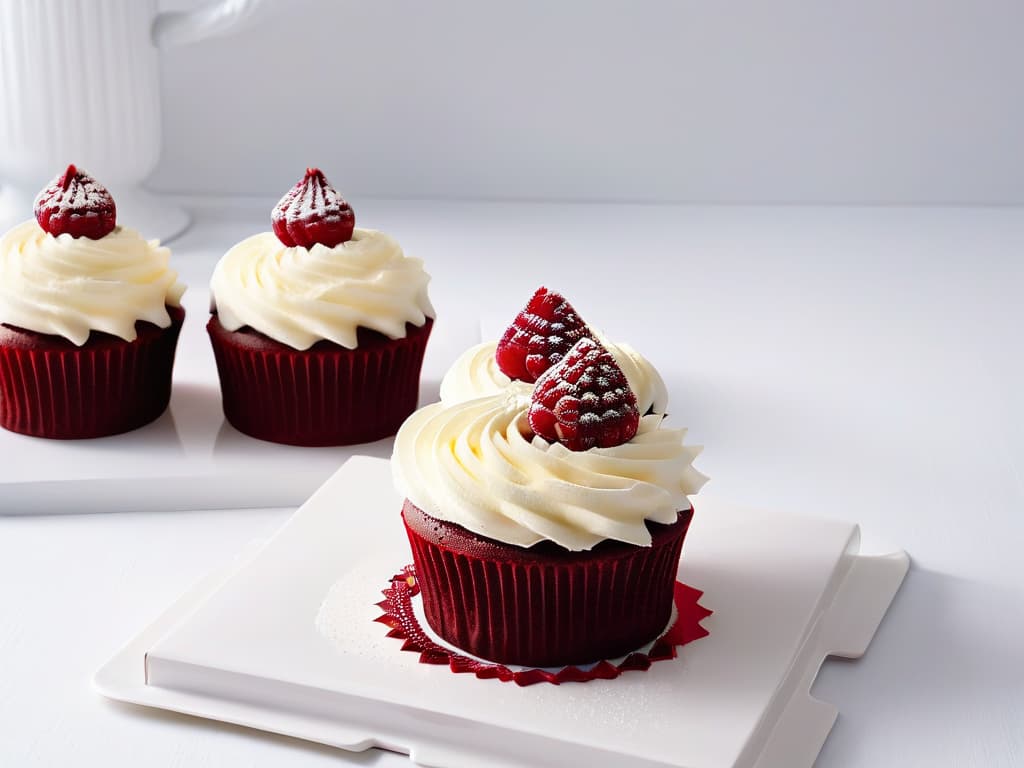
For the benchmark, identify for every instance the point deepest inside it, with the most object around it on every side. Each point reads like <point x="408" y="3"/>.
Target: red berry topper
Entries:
<point x="584" y="401"/>
<point x="539" y="336"/>
<point x="313" y="212"/>
<point x="76" y="204"/>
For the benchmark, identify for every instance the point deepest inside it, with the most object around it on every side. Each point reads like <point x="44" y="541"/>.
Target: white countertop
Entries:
<point x="849" y="362"/>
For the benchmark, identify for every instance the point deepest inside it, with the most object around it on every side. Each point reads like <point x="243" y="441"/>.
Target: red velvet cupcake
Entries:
<point x="547" y="530"/>
<point x="89" y="318"/>
<point x="319" y="328"/>
<point x="543" y="606"/>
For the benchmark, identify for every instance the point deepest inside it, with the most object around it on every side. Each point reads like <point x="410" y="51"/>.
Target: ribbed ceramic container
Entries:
<point x="543" y="606"/>
<point x="324" y="395"/>
<point x="79" y="82"/>
<point x="51" y="388"/>
<point x="96" y="63"/>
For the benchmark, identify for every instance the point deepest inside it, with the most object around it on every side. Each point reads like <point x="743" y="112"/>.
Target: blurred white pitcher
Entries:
<point x="79" y="83"/>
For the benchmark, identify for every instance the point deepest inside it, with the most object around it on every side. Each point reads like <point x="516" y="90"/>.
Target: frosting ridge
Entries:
<point x="477" y="464"/>
<point x="299" y="296"/>
<point x="67" y="286"/>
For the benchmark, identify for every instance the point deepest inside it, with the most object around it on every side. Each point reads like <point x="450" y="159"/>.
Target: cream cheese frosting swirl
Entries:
<point x="476" y="374"/>
<point x="478" y="465"/>
<point x="67" y="286"/>
<point x="299" y="296"/>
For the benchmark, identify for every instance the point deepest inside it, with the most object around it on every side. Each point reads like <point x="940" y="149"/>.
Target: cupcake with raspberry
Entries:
<point x="90" y="314"/>
<point x="538" y="338"/>
<point x="546" y="529"/>
<point x="319" y="328"/>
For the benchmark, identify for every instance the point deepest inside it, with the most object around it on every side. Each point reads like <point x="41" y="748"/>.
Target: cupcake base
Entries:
<point x="325" y="395"/>
<point x="543" y="606"/>
<point x="400" y="615"/>
<point x="49" y="387"/>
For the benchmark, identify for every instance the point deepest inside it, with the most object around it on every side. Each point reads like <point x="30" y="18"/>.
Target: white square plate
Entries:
<point x="189" y="458"/>
<point x="251" y="646"/>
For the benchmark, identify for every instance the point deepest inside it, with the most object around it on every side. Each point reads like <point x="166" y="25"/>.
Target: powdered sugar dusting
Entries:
<point x="313" y="212"/>
<point x="348" y="611"/>
<point x="539" y="336"/>
<point x="585" y="401"/>
<point x="75" y="203"/>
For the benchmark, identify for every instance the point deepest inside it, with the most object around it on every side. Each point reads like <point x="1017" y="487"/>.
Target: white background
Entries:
<point x="860" y="363"/>
<point x="784" y="101"/>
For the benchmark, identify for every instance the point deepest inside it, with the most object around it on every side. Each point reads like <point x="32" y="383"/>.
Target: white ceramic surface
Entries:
<point x="79" y="83"/>
<point x="852" y="363"/>
<point x="247" y="648"/>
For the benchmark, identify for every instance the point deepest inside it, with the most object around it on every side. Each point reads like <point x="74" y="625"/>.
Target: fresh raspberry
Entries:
<point x="313" y="212"/>
<point x="76" y="204"/>
<point x="585" y="401"/>
<point x="539" y="336"/>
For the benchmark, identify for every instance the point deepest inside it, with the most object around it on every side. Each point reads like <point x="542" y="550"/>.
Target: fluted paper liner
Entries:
<point x="51" y="388"/>
<point x="400" y="615"/>
<point x="325" y="395"/>
<point x="546" y="610"/>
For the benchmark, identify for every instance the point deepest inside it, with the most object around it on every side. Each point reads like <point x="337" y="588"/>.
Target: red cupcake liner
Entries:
<point x="325" y="395"/>
<point x="543" y="606"/>
<point x="51" y="388"/>
<point x="400" y="616"/>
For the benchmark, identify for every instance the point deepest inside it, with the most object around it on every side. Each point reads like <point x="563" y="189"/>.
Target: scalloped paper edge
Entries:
<point x="404" y="625"/>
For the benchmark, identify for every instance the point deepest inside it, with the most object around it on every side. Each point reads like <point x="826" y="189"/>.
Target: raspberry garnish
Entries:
<point x="313" y="212"/>
<point x="76" y="204"/>
<point x="584" y="401"/>
<point x="539" y="336"/>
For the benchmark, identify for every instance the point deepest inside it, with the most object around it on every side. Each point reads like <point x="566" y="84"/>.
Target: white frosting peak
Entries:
<point x="69" y="286"/>
<point x="477" y="464"/>
<point x="299" y="296"/>
<point x="476" y="374"/>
